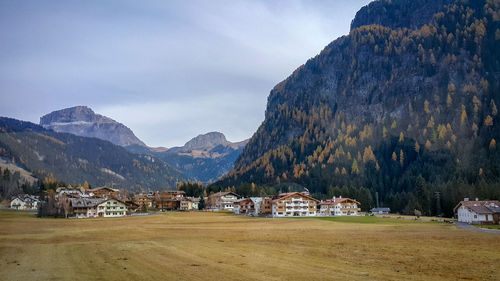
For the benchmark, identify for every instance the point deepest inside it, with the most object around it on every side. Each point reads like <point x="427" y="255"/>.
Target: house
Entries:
<point x="186" y="204"/>
<point x="248" y="206"/>
<point x="339" y="207"/>
<point x="24" y="202"/>
<point x="294" y="204"/>
<point x="380" y="211"/>
<point x="169" y="200"/>
<point x="478" y="212"/>
<point x="63" y="193"/>
<point x="196" y="202"/>
<point x="111" y="208"/>
<point x="144" y="200"/>
<point x="83" y="207"/>
<point x="222" y="200"/>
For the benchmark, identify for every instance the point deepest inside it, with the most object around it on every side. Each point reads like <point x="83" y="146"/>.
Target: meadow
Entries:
<point x="218" y="246"/>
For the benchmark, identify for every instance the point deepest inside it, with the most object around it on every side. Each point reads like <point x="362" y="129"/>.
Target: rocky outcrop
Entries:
<point x="83" y="121"/>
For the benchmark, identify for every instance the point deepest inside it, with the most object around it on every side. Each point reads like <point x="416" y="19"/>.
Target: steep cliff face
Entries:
<point x="411" y="90"/>
<point x="83" y="121"/>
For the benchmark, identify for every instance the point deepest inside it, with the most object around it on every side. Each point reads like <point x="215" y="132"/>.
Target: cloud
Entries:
<point x="183" y="67"/>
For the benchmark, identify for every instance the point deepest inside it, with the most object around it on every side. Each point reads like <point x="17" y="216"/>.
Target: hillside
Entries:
<point x="83" y="121"/>
<point x="204" y="158"/>
<point x="405" y="105"/>
<point x="53" y="156"/>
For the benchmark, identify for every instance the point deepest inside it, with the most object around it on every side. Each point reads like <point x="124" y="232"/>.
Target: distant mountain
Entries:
<point x="405" y="105"/>
<point x="73" y="159"/>
<point x="204" y="158"/>
<point x="83" y="121"/>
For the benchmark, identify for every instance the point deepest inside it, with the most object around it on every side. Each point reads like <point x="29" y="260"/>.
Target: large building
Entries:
<point x="294" y="204"/>
<point x="339" y="207"/>
<point x="111" y="208"/>
<point x="92" y="207"/>
<point x="478" y="212"/>
<point x="222" y="200"/>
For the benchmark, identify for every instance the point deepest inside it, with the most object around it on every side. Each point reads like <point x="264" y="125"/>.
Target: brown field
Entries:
<point x="215" y="246"/>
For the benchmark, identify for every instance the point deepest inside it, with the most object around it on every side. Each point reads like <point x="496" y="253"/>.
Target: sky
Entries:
<point x="169" y="70"/>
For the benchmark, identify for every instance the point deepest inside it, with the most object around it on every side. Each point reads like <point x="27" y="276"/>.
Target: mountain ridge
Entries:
<point x="53" y="156"/>
<point x="402" y="111"/>
<point x="83" y="121"/>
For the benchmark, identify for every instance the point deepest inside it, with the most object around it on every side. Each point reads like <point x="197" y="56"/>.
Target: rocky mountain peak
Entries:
<point x="73" y="114"/>
<point x="83" y="121"/>
<point x="208" y="140"/>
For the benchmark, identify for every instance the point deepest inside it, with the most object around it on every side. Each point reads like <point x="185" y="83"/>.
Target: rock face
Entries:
<point x="204" y="158"/>
<point x="207" y="141"/>
<point x="83" y="121"/>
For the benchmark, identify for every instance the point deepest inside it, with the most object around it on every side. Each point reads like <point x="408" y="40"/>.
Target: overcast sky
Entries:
<point x="169" y="70"/>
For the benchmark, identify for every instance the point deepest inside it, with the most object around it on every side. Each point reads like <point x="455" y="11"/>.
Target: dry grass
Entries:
<point x="212" y="246"/>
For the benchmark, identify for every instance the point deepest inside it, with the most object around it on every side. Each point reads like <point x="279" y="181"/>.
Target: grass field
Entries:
<point x="212" y="246"/>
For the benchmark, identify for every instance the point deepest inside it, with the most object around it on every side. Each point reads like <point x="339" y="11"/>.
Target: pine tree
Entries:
<point x="426" y="107"/>
<point x="488" y="121"/>
<point x="493" y="144"/>
<point x="401" y="157"/>
<point x="354" y="168"/>
<point x="494" y="110"/>
<point x="401" y="137"/>
<point x="428" y="144"/>
<point x="394" y="156"/>
<point x="463" y="117"/>
<point x="449" y="100"/>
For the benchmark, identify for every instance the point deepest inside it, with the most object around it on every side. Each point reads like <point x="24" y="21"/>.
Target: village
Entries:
<point x="80" y="202"/>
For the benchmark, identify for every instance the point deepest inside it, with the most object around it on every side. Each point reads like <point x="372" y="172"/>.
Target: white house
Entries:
<point x="294" y="204"/>
<point x="111" y="208"/>
<point x="24" y="202"/>
<point x="478" y="212"/>
<point x="339" y="207"/>
<point x="380" y="211"/>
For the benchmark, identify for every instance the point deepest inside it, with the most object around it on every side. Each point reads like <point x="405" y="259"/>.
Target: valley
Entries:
<point x="214" y="246"/>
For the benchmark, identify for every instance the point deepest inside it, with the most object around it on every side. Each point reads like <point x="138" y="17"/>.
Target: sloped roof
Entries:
<point x="222" y="193"/>
<point x="338" y="200"/>
<point x="468" y="204"/>
<point x="84" y="202"/>
<point x="380" y="209"/>
<point x="292" y="194"/>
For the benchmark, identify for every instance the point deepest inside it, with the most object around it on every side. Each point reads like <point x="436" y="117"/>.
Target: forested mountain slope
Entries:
<point x="401" y="107"/>
<point x="53" y="157"/>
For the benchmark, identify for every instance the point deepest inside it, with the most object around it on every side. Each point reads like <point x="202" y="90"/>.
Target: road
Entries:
<point x="471" y="227"/>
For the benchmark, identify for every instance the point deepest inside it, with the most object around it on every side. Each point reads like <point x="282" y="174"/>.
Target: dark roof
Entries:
<point x="380" y="209"/>
<point x="84" y="202"/>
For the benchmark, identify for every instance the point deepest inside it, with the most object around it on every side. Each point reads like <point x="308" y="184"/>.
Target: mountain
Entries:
<point x="53" y="156"/>
<point x="204" y="158"/>
<point x="405" y="106"/>
<point x="83" y="121"/>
